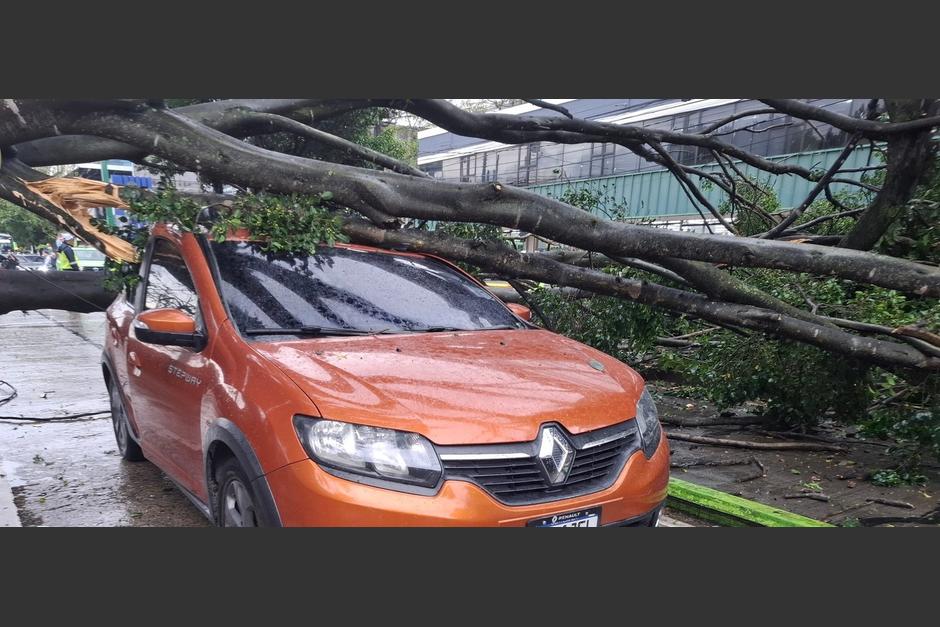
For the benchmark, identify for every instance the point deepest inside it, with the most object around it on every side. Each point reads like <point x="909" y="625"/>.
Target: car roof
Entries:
<point x="164" y="230"/>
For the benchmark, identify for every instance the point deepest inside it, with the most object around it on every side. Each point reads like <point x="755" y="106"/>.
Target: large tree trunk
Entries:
<point x="908" y="163"/>
<point x="72" y="291"/>
<point x="206" y="139"/>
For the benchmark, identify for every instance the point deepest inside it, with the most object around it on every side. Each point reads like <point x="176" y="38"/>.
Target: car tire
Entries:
<point x="236" y="504"/>
<point x="127" y="446"/>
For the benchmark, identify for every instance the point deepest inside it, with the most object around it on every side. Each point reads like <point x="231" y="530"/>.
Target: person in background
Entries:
<point x="7" y="260"/>
<point x="65" y="258"/>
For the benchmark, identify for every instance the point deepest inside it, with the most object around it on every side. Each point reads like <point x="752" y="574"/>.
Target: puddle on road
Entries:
<point x="69" y="474"/>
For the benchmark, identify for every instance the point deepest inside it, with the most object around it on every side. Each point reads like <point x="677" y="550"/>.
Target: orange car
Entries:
<point x="359" y="386"/>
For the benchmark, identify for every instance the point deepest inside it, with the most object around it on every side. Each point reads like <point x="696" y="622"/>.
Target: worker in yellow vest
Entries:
<point x="65" y="257"/>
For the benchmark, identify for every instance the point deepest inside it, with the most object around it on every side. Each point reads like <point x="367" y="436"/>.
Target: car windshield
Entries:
<point x="343" y="288"/>
<point x="88" y="254"/>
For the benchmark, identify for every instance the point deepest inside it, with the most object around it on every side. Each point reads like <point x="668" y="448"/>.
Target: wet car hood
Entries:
<point x="463" y="387"/>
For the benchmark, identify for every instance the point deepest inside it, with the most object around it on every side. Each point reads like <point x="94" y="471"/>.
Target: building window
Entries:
<point x="602" y="159"/>
<point x="528" y="164"/>
<point x="436" y="169"/>
<point x="468" y="168"/>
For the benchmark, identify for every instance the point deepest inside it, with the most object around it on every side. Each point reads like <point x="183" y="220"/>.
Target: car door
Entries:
<point x="167" y="383"/>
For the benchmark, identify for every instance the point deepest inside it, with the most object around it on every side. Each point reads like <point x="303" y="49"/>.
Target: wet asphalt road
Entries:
<point x="69" y="474"/>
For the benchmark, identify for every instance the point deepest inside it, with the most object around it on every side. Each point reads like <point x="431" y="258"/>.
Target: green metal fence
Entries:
<point x="658" y="194"/>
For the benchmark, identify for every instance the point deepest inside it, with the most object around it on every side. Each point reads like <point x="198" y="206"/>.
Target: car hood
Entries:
<point x="461" y="387"/>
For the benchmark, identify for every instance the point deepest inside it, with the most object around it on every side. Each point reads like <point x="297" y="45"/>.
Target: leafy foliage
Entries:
<point x="279" y="223"/>
<point x="889" y="478"/>
<point x="793" y="384"/>
<point x="617" y="327"/>
<point x="366" y="127"/>
<point x="25" y="228"/>
<point x="915" y="234"/>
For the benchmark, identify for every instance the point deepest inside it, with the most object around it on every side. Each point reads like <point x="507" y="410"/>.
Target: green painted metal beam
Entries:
<point x="657" y="193"/>
<point x="729" y="510"/>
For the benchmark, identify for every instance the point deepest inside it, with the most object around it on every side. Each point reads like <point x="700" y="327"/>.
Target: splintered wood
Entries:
<point x="75" y="196"/>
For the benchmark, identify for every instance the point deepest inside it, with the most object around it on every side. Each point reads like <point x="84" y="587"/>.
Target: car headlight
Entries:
<point x="374" y="452"/>
<point x="647" y="419"/>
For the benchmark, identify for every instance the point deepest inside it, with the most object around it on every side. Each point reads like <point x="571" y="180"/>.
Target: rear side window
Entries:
<point x="169" y="283"/>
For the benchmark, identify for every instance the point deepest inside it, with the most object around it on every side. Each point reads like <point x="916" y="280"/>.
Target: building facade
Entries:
<point x="640" y="189"/>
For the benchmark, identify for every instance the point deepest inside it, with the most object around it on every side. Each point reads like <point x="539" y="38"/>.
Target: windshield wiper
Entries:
<point x="438" y="329"/>
<point x="306" y="330"/>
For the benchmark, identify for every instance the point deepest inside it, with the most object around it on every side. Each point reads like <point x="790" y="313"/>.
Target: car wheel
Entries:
<point x="236" y="506"/>
<point x="127" y="446"/>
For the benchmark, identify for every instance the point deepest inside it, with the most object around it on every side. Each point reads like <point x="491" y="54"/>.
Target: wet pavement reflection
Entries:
<point x="70" y="473"/>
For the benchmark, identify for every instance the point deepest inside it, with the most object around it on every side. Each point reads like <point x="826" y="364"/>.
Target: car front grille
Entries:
<point x="513" y="474"/>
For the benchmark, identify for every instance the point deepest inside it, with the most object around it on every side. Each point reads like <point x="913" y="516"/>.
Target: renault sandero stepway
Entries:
<point x="359" y="386"/>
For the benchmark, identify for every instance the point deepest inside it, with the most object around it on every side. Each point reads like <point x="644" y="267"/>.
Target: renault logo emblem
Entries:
<point x="555" y="454"/>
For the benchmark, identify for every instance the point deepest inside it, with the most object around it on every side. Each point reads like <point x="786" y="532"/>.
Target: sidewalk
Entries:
<point x="8" y="515"/>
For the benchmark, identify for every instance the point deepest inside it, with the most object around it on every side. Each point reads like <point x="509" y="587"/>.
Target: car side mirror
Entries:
<point x="168" y="327"/>
<point x="520" y="310"/>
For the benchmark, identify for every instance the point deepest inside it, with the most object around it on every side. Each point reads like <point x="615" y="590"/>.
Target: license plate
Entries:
<point x="582" y="518"/>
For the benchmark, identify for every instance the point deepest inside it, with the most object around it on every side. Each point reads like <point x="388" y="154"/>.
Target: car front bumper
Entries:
<point x="307" y="495"/>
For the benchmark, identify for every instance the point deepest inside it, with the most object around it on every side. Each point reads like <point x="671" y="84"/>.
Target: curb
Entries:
<point x="729" y="510"/>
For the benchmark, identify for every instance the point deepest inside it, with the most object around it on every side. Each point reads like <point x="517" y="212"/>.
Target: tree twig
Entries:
<point x="817" y="189"/>
<point x="891" y="502"/>
<point x="808" y="495"/>
<point x="763" y="446"/>
<point x="552" y="107"/>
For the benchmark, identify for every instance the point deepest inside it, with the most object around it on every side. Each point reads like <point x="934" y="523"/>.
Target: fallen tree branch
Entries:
<point x="868" y="128"/>
<point x="821" y="219"/>
<point x="227" y="116"/>
<point x="551" y="107"/>
<point x="712" y="421"/>
<point x="930" y="518"/>
<point x="736" y="116"/>
<point x="917" y="332"/>
<point x="518" y="129"/>
<point x="531" y="303"/>
<point x="586" y="259"/>
<point x="496" y="257"/>
<point x="691" y="187"/>
<point x="220" y="156"/>
<point x="713" y="463"/>
<point x="82" y="292"/>
<point x="726" y="462"/>
<point x="821" y="185"/>
<point x="820" y="438"/>
<point x="808" y="495"/>
<point x="878" y="329"/>
<point x="280" y="122"/>
<point x="762" y="446"/>
<point x="892" y="503"/>
<point x="851" y="508"/>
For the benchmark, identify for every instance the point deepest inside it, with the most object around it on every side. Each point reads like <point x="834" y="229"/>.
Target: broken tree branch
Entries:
<point x="762" y="446"/>
<point x="220" y="156"/>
